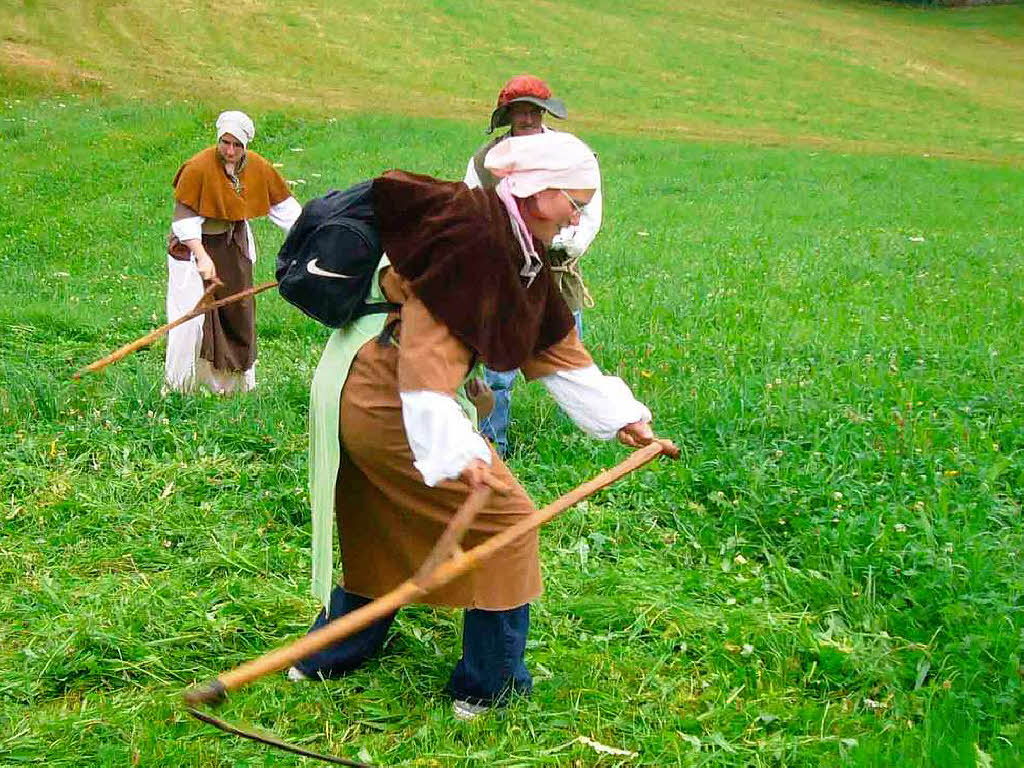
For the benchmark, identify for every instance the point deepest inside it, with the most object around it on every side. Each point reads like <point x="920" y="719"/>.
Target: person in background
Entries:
<point x="392" y="455"/>
<point x="522" y="104"/>
<point x="216" y="193"/>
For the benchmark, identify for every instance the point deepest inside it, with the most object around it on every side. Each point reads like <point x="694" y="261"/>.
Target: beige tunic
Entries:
<point x="388" y="519"/>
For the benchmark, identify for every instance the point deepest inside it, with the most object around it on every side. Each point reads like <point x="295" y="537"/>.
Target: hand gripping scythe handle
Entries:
<point x="445" y="563"/>
<point x="203" y="306"/>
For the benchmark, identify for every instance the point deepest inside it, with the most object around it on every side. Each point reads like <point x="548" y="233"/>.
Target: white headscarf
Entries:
<point x="237" y="124"/>
<point x="549" y="160"/>
<point x="531" y="164"/>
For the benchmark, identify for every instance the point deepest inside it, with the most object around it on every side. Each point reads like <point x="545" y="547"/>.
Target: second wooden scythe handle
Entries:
<point x="202" y="307"/>
<point x="215" y="691"/>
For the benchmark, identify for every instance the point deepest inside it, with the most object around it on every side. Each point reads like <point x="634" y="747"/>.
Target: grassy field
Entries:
<point x="826" y="316"/>
<point x="857" y="76"/>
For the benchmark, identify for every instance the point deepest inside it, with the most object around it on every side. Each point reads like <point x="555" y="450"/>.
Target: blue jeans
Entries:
<point x="495" y="426"/>
<point x="493" y="647"/>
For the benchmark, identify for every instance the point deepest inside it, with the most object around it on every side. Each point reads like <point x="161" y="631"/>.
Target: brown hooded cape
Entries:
<point x="202" y="185"/>
<point x="457" y="249"/>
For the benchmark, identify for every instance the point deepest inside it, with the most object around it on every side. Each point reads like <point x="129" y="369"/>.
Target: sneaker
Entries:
<point x="296" y="675"/>
<point x="464" y="710"/>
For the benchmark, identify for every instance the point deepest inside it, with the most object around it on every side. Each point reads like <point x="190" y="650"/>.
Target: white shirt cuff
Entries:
<point x="599" y="405"/>
<point x="188" y="229"/>
<point x="285" y="213"/>
<point x="442" y="439"/>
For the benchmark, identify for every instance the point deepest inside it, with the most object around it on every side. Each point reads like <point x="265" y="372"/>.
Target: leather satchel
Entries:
<point x="177" y="249"/>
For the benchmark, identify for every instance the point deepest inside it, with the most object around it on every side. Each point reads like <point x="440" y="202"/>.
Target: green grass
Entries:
<point x="830" y="576"/>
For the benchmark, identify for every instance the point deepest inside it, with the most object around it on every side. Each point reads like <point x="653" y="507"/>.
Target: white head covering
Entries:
<point x="237" y="124"/>
<point x="549" y="160"/>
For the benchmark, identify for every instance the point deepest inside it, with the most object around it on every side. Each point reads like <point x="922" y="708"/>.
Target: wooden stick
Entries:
<point x="216" y="690"/>
<point x="451" y="537"/>
<point x="200" y="308"/>
<point x="467" y="561"/>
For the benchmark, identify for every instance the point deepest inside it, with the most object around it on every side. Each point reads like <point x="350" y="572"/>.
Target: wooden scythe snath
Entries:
<point x="203" y="306"/>
<point x="446" y="561"/>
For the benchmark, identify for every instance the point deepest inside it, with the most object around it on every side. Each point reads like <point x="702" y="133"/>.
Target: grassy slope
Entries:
<point x="849" y="75"/>
<point x="837" y="551"/>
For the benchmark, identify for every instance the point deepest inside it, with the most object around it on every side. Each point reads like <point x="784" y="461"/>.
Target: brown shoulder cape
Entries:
<point x="202" y="185"/>
<point x="456" y="248"/>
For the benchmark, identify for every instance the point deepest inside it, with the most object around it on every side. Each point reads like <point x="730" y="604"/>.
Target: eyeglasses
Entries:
<point x="576" y="204"/>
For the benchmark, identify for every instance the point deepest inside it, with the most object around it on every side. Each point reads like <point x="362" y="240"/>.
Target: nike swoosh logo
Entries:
<point x="313" y="269"/>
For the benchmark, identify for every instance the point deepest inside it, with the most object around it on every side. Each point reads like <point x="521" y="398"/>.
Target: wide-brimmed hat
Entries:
<point x="526" y="88"/>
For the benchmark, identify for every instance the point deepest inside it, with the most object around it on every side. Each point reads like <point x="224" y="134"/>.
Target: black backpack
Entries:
<point x="326" y="264"/>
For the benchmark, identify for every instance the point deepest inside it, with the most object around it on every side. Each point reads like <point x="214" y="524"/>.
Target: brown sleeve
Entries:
<point x="429" y="356"/>
<point x="182" y="211"/>
<point x="565" y="355"/>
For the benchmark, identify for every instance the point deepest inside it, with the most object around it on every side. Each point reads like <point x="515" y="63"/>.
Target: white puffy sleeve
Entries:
<point x="600" y="405"/>
<point x="431" y="365"/>
<point x="190" y="228"/>
<point x="285" y="213"/>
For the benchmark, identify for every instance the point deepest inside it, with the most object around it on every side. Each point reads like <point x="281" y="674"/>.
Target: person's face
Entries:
<point x="525" y="118"/>
<point x="231" y="149"/>
<point x="551" y="210"/>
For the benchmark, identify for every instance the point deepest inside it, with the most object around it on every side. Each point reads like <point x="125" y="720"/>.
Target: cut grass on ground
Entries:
<point x="828" y="323"/>
<point x="830" y="576"/>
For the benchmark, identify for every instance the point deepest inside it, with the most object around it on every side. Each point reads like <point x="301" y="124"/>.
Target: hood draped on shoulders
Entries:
<point x="457" y="249"/>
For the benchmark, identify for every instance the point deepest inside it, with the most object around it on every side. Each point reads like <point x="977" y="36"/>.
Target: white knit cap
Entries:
<point x="237" y="124"/>
<point x="549" y="160"/>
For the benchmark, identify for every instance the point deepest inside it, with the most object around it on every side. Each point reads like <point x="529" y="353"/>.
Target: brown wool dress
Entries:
<point x="229" y="332"/>
<point x="455" y="271"/>
<point x="202" y="188"/>
<point x="388" y="519"/>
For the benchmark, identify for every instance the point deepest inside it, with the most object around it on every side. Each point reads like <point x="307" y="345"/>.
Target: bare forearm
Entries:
<point x="203" y="261"/>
